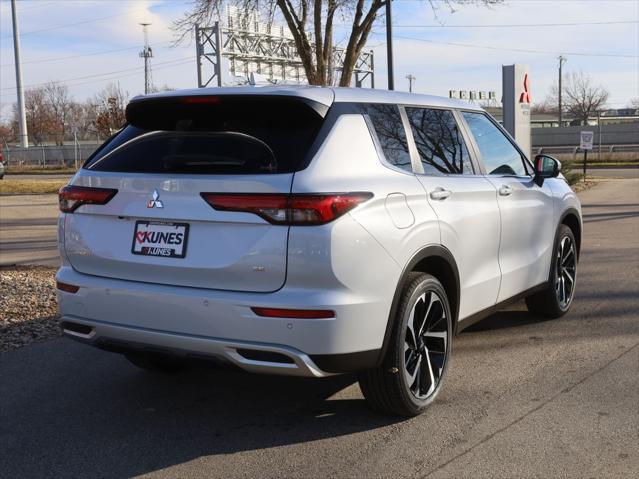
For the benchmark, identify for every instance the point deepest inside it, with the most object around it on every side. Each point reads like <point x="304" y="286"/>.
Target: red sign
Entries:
<point x="525" y="96"/>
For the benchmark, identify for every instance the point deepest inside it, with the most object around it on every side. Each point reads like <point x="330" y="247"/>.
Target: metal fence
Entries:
<point x="604" y="134"/>
<point x="604" y="154"/>
<point x="48" y="155"/>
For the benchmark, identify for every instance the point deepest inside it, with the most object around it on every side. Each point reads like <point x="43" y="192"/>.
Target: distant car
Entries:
<point x="1" y="166"/>
<point x="311" y="231"/>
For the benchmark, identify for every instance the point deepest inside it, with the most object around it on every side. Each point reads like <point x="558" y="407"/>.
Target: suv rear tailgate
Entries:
<point x="223" y="250"/>
<point x="173" y="150"/>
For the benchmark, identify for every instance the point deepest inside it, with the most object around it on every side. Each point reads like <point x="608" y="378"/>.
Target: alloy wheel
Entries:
<point x="425" y="345"/>
<point x="566" y="272"/>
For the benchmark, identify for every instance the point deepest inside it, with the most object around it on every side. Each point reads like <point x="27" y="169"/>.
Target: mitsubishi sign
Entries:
<point x="516" y="103"/>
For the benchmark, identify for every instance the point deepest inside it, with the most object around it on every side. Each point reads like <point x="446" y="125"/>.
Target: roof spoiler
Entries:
<point x="140" y="109"/>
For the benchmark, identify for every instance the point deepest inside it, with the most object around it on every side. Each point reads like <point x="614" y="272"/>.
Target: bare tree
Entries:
<point x="311" y="24"/>
<point x="82" y="117"/>
<point x="6" y="134"/>
<point x="545" y="107"/>
<point x="41" y="121"/>
<point x="158" y="89"/>
<point x="581" y="98"/>
<point x="62" y="106"/>
<point x="108" y="107"/>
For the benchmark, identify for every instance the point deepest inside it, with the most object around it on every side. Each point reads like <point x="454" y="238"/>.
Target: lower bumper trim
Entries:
<point x="346" y="363"/>
<point x="119" y="338"/>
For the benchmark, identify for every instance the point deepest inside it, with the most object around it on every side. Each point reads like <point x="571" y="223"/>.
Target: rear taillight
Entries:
<point x="294" y="210"/>
<point x="72" y="197"/>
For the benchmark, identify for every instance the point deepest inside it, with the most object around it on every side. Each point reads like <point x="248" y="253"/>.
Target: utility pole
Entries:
<point x="389" y="45"/>
<point x="599" y="127"/>
<point x="411" y="78"/>
<point x="561" y="59"/>
<point x="22" y="122"/>
<point x="146" y="53"/>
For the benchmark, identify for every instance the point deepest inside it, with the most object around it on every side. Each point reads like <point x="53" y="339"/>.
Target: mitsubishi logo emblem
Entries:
<point x="155" y="202"/>
<point x="525" y="95"/>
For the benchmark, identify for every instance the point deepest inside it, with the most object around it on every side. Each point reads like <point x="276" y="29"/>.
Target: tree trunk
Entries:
<point x="359" y="35"/>
<point x="297" y="28"/>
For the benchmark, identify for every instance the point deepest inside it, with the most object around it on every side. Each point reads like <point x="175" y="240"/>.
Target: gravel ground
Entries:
<point x="28" y="307"/>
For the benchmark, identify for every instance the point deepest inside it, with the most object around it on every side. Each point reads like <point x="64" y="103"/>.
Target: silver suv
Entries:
<point x="310" y="231"/>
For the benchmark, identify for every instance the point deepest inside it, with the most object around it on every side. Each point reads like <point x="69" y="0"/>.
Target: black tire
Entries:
<point x="548" y="303"/>
<point x="156" y="363"/>
<point x="386" y="388"/>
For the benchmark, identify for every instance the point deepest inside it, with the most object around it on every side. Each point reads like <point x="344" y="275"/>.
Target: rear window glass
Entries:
<point x="212" y="135"/>
<point x="387" y="125"/>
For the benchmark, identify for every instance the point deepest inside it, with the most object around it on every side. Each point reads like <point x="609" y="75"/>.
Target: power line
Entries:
<point x="519" y="25"/>
<point x="136" y="69"/>
<point x="73" y="83"/>
<point x="41" y="30"/>
<point x="38" y="5"/>
<point x="102" y="52"/>
<point x="83" y="22"/>
<point x="519" y="50"/>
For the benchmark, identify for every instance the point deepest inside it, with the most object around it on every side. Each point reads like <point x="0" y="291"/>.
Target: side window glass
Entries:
<point x="388" y="126"/>
<point x="439" y="142"/>
<point x="498" y="153"/>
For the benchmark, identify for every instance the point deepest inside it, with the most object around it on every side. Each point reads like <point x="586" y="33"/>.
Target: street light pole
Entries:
<point x="389" y="45"/>
<point x="599" y="127"/>
<point x="410" y="77"/>
<point x="562" y="59"/>
<point x="22" y="120"/>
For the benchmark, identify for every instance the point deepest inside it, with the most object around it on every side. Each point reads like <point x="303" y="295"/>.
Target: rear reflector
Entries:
<point x="294" y="313"/>
<point x="72" y="197"/>
<point x="293" y="210"/>
<point x="69" y="288"/>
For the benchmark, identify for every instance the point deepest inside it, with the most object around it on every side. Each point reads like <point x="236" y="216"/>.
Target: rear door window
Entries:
<point x="212" y="135"/>
<point x="439" y="142"/>
<point x="389" y="129"/>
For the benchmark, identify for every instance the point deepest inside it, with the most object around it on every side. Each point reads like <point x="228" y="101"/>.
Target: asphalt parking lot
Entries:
<point x="524" y="397"/>
<point x="28" y="230"/>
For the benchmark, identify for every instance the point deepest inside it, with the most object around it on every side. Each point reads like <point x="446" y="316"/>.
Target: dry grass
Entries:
<point x="39" y="170"/>
<point x="9" y="186"/>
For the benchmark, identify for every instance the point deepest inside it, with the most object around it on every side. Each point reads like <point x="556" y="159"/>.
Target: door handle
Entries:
<point x="440" y="194"/>
<point x="505" y="190"/>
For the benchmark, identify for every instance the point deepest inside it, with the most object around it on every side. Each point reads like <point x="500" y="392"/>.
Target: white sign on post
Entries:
<point x="586" y="140"/>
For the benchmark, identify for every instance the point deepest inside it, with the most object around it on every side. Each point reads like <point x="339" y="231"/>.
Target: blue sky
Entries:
<point x="89" y="43"/>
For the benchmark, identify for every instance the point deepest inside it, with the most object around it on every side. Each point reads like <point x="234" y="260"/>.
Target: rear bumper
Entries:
<point x="218" y="324"/>
<point x="253" y="357"/>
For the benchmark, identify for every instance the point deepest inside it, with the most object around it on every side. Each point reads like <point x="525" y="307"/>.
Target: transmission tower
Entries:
<point x="147" y="54"/>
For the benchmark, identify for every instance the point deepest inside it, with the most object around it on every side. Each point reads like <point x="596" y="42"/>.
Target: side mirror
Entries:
<point x="546" y="167"/>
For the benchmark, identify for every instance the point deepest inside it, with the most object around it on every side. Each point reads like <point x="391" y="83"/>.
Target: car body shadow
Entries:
<point x="88" y="413"/>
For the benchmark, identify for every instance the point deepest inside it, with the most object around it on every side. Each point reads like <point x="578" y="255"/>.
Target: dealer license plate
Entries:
<point x="160" y="239"/>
